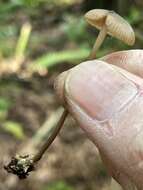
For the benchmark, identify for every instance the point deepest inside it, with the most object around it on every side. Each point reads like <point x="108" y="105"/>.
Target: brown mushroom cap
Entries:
<point x="115" y="24"/>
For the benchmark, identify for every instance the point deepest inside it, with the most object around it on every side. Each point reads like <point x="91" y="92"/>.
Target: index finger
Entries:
<point x="130" y="60"/>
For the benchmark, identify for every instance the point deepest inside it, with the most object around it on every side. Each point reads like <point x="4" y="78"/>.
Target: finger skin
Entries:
<point x="107" y="102"/>
<point x="130" y="60"/>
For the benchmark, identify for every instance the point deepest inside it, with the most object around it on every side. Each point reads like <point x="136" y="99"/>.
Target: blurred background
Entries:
<point x="38" y="40"/>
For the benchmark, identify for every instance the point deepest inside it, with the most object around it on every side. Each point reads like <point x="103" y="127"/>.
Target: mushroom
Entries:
<point x="109" y="22"/>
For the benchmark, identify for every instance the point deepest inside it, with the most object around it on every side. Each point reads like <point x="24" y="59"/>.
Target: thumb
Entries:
<point x="107" y="104"/>
<point x="95" y="91"/>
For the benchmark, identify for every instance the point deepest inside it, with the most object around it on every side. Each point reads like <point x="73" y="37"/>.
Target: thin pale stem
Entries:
<point x="56" y="130"/>
<point x="98" y="42"/>
<point x="46" y="130"/>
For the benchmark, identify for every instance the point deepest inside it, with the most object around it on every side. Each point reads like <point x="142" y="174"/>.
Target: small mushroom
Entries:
<point x="109" y="22"/>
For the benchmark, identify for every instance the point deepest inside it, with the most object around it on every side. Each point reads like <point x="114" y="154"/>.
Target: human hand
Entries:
<point x="107" y="102"/>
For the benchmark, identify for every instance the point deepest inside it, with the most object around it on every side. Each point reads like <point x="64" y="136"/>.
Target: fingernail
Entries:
<point x="99" y="90"/>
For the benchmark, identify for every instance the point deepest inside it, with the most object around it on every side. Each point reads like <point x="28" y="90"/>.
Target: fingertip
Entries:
<point x="59" y="86"/>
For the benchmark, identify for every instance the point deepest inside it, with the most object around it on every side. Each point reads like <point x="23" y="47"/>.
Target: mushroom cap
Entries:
<point x="116" y="25"/>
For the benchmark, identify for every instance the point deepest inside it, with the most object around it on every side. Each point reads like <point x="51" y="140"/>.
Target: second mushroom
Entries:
<point x="109" y="22"/>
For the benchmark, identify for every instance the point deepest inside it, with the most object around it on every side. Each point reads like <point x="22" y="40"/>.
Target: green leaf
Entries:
<point x="77" y="34"/>
<point x="134" y="15"/>
<point x="60" y="185"/>
<point x="14" y="129"/>
<point x="69" y="56"/>
<point x="4" y="104"/>
<point x="4" y="107"/>
<point x="51" y="59"/>
<point x="28" y="3"/>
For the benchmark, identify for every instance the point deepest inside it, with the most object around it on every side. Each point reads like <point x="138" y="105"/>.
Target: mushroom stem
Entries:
<point x="45" y="146"/>
<point x="21" y="165"/>
<point x="98" y="42"/>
